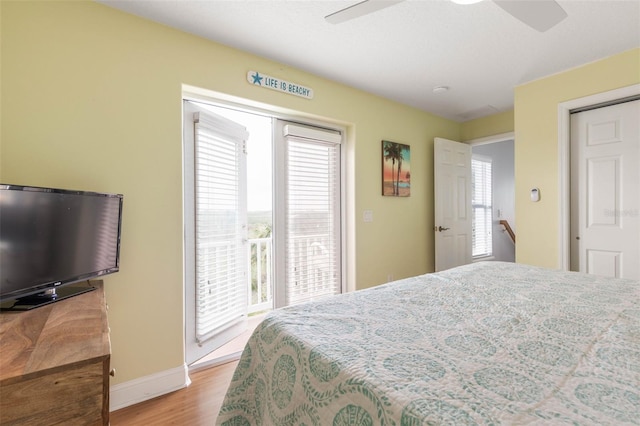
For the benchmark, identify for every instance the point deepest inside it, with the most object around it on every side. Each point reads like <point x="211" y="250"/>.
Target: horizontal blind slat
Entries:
<point x="312" y="220"/>
<point x="220" y="286"/>
<point x="482" y="244"/>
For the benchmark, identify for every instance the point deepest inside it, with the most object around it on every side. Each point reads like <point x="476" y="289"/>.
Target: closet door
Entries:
<point x="605" y="191"/>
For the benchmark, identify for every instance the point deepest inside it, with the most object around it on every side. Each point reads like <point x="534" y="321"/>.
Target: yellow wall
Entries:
<point x="487" y="126"/>
<point x="91" y="99"/>
<point x="536" y="147"/>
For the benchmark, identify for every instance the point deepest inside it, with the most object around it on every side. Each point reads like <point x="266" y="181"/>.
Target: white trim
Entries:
<point x="144" y="388"/>
<point x="483" y="258"/>
<point x="225" y="359"/>
<point x="501" y="137"/>
<point x="192" y="93"/>
<point x="564" y="159"/>
<point x="481" y="157"/>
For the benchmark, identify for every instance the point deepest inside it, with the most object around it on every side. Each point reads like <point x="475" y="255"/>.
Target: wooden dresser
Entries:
<point x="54" y="363"/>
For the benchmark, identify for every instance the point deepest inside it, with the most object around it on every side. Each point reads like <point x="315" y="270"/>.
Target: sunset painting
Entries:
<point x="396" y="169"/>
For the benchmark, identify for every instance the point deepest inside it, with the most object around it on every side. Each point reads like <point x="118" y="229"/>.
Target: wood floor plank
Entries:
<point x="197" y="404"/>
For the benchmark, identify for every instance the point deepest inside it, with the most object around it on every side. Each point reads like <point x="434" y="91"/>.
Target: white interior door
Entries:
<point x="605" y="191"/>
<point x="452" y="200"/>
<point x="216" y="259"/>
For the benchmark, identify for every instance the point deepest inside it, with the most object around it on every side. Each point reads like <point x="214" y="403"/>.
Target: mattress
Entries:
<point x="486" y="343"/>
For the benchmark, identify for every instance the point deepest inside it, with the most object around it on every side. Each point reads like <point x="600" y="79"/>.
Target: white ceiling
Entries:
<point x="403" y="51"/>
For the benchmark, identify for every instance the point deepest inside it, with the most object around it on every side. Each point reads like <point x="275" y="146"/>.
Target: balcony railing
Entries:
<point x="259" y="281"/>
<point x="314" y="276"/>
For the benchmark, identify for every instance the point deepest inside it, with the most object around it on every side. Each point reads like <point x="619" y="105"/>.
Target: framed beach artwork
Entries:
<point x="396" y="169"/>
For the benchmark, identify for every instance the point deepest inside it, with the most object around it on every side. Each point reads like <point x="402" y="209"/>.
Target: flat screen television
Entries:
<point x="52" y="238"/>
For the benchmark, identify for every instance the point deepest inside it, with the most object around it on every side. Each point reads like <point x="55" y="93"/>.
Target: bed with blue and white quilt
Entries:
<point x="489" y="343"/>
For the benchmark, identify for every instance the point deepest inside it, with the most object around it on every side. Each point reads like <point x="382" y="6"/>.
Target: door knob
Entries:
<point x="440" y="229"/>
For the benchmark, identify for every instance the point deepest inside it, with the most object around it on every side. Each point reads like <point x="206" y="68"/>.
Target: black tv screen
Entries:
<point x="50" y="238"/>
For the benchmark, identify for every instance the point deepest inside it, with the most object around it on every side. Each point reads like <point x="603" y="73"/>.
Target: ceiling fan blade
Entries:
<point x="359" y="9"/>
<point x="538" y="14"/>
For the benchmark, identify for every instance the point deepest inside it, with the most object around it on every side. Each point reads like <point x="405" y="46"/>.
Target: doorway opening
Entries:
<point x="474" y="198"/>
<point x="263" y="222"/>
<point x="495" y="224"/>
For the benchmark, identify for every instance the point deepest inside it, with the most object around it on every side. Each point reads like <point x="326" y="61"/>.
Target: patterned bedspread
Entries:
<point x="488" y="343"/>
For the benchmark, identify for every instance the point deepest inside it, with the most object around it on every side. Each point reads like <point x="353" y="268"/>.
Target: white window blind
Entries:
<point x="481" y="201"/>
<point x="220" y="222"/>
<point x="312" y="214"/>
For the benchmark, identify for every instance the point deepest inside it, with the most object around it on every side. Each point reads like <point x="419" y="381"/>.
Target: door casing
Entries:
<point x="564" y="162"/>
<point x="605" y="188"/>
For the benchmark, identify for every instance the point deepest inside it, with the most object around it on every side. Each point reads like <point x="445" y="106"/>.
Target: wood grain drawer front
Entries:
<point x="54" y="363"/>
<point x="71" y="396"/>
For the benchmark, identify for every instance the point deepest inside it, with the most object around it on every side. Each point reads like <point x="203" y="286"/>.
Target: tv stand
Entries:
<point x="54" y="362"/>
<point x="44" y="298"/>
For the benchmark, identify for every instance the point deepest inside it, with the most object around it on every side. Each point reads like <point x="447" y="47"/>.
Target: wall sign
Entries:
<point x="263" y="80"/>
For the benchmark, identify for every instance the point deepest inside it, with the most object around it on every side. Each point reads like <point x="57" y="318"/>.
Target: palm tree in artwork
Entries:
<point x="391" y="152"/>
<point x="399" y="159"/>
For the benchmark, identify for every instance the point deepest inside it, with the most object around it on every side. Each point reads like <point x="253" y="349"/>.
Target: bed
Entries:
<point x="487" y="343"/>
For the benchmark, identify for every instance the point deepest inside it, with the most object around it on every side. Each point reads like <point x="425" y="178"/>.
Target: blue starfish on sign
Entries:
<point x="257" y="79"/>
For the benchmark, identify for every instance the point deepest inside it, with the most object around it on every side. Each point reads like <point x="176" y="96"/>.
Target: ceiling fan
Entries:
<point x="538" y="14"/>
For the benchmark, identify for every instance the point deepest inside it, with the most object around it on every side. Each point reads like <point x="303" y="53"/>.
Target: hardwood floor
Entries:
<point x="195" y="405"/>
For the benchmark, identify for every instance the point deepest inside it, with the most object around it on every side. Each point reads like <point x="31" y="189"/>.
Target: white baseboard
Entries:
<point x="134" y="391"/>
<point x="203" y="365"/>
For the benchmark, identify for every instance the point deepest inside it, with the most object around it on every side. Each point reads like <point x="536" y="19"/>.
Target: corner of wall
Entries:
<point x="502" y="122"/>
<point x="538" y="159"/>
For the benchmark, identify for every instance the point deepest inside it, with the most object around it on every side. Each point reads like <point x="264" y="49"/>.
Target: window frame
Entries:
<point x="200" y="95"/>
<point x="487" y="207"/>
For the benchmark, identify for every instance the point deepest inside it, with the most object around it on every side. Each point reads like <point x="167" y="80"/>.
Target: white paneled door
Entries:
<point x="452" y="199"/>
<point x="605" y="191"/>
